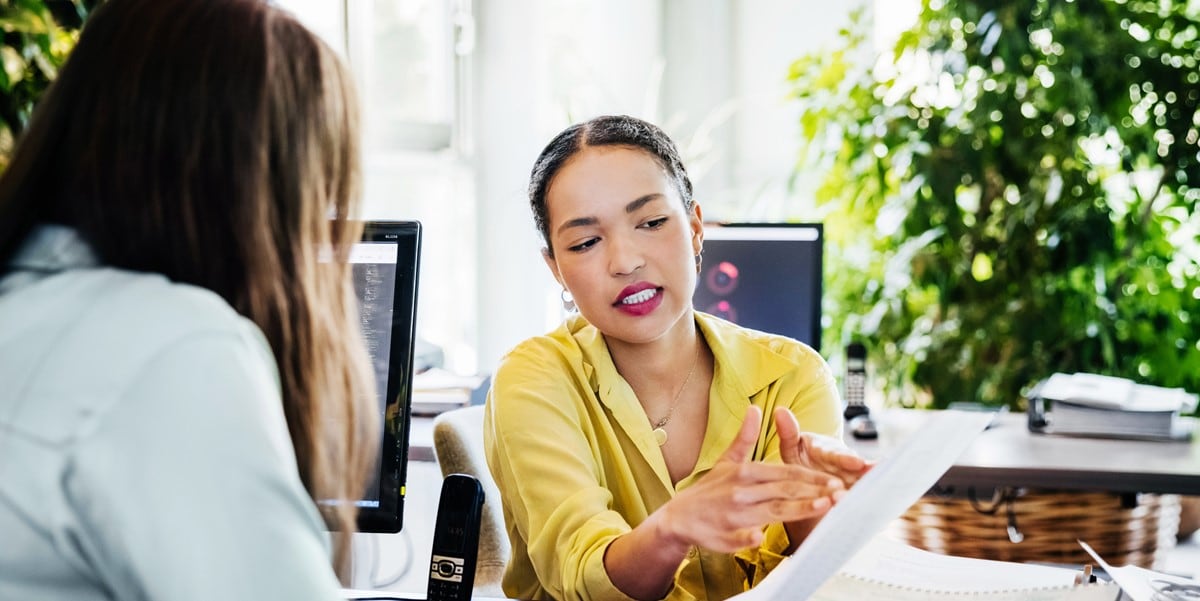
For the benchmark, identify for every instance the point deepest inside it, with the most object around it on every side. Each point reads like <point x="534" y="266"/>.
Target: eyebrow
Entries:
<point x="629" y="208"/>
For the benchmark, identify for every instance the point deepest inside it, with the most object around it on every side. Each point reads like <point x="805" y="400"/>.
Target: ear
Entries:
<point x="553" y="266"/>
<point x="696" y="222"/>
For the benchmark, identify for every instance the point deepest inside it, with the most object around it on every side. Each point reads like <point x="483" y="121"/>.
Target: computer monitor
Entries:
<point x="385" y="267"/>
<point x="764" y="276"/>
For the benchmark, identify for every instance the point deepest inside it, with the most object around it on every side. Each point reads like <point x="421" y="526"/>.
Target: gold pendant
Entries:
<point x="660" y="436"/>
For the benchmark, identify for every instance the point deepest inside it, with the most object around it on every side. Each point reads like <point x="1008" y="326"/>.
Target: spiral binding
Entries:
<point x="1005" y="593"/>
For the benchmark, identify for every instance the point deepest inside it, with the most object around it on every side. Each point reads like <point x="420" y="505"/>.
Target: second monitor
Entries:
<point x="766" y="277"/>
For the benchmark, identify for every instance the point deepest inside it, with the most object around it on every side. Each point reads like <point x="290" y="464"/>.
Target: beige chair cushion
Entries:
<point x="458" y="443"/>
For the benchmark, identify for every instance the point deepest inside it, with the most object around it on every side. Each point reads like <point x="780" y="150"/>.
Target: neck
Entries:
<point x="658" y="365"/>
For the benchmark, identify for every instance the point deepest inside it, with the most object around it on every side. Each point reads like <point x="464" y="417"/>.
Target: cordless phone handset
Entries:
<point x="455" y="539"/>
<point x="859" y="416"/>
<point x="855" y="383"/>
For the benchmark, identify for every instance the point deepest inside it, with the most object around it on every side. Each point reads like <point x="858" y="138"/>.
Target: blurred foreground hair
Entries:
<point x="216" y="142"/>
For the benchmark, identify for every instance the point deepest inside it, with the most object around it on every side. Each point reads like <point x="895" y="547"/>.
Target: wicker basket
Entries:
<point x="1129" y="529"/>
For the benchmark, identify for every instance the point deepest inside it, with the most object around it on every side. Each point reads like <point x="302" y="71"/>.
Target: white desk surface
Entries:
<point x="1008" y="454"/>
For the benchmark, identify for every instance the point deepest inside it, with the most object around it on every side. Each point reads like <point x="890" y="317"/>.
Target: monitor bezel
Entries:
<point x="746" y="230"/>
<point x="393" y="459"/>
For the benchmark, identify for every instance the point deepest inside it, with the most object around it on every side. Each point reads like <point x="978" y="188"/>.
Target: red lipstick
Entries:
<point x="639" y="299"/>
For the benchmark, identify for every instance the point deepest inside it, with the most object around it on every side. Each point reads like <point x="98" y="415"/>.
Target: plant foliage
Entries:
<point x="37" y="37"/>
<point x="1012" y="191"/>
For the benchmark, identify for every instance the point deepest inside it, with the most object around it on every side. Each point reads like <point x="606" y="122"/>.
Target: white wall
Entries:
<point x="509" y="97"/>
<point x="768" y="36"/>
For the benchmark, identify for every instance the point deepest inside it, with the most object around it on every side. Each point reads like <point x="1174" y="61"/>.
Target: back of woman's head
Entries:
<point x="212" y="141"/>
<point x="607" y="130"/>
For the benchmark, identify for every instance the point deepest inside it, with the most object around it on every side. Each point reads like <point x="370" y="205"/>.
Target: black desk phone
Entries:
<point x="455" y="539"/>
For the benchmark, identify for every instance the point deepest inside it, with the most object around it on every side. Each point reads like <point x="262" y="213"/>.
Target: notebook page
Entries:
<point x="897" y="564"/>
<point x="847" y="588"/>
<point x="894" y="484"/>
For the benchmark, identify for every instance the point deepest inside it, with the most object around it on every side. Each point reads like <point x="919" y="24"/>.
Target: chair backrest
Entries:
<point x="458" y="443"/>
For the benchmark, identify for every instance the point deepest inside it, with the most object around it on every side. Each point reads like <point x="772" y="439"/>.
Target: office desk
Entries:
<point x="1008" y="454"/>
<point x="420" y="439"/>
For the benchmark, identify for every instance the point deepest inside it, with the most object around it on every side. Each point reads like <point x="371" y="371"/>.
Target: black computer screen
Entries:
<point x="385" y="267"/>
<point x="764" y="276"/>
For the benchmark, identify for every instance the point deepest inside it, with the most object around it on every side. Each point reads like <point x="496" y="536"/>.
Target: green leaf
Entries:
<point x="14" y="66"/>
<point x="26" y="17"/>
<point x="33" y="47"/>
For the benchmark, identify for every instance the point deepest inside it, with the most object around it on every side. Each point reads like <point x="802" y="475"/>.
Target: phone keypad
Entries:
<point x="440" y="590"/>
<point x="856" y="384"/>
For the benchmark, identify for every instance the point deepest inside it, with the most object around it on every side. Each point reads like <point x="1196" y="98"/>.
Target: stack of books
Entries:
<point x="1083" y="404"/>
<point x="436" y="391"/>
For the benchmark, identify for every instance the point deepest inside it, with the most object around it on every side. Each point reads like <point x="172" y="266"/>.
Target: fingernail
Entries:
<point x="821" y="503"/>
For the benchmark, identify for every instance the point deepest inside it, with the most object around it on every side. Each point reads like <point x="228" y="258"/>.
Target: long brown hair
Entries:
<point x="216" y="142"/>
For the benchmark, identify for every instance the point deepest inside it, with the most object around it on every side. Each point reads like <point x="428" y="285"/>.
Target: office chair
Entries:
<point x="458" y="444"/>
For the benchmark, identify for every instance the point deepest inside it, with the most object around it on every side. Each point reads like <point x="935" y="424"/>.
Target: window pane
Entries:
<point x="402" y="52"/>
<point x="323" y="17"/>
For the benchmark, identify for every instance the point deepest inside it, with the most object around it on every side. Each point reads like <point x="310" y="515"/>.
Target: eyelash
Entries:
<point x="652" y="224"/>
<point x="586" y="244"/>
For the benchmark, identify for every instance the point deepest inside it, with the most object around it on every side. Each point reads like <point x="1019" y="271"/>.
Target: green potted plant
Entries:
<point x="1010" y="192"/>
<point x="37" y="37"/>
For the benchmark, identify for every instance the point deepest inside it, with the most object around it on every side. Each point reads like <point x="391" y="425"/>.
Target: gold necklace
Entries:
<point x="660" y="434"/>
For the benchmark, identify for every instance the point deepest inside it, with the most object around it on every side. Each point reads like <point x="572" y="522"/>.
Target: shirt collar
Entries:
<point x="732" y="345"/>
<point x="738" y="348"/>
<point x="47" y="250"/>
<point x="52" y="248"/>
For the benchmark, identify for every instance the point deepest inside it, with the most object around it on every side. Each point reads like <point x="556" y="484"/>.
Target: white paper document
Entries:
<point x="885" y="492"/>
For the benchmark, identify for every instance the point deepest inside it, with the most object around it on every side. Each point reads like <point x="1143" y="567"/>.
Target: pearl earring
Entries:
<point x="568" y="301"/>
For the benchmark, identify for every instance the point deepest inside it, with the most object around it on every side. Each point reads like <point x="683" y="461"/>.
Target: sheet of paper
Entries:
<point x="1140" y="584"/>
<point x="894" y="484"/>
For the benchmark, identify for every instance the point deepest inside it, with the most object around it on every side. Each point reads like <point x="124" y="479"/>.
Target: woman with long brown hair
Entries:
<point x="181" y="364"/>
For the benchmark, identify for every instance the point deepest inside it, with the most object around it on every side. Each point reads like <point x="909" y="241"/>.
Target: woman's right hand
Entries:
<point x="726" y="510"/>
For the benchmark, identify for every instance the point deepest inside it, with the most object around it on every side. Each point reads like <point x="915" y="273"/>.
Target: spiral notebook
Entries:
<point x="887" y="569"/>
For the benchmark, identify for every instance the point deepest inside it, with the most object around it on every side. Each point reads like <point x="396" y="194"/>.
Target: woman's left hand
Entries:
<point x="817" y="452"/>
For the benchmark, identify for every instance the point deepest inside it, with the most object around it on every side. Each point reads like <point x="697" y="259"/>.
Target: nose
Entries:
<point x="624" y="256"/>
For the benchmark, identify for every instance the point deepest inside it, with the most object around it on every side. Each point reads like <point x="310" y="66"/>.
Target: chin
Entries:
<point x="645" y="329"/>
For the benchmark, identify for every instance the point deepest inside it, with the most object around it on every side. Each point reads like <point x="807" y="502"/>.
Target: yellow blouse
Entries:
<point x="577" y="466"/>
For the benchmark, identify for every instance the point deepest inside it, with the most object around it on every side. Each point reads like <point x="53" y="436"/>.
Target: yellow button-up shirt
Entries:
<point x="576" y="463"/>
